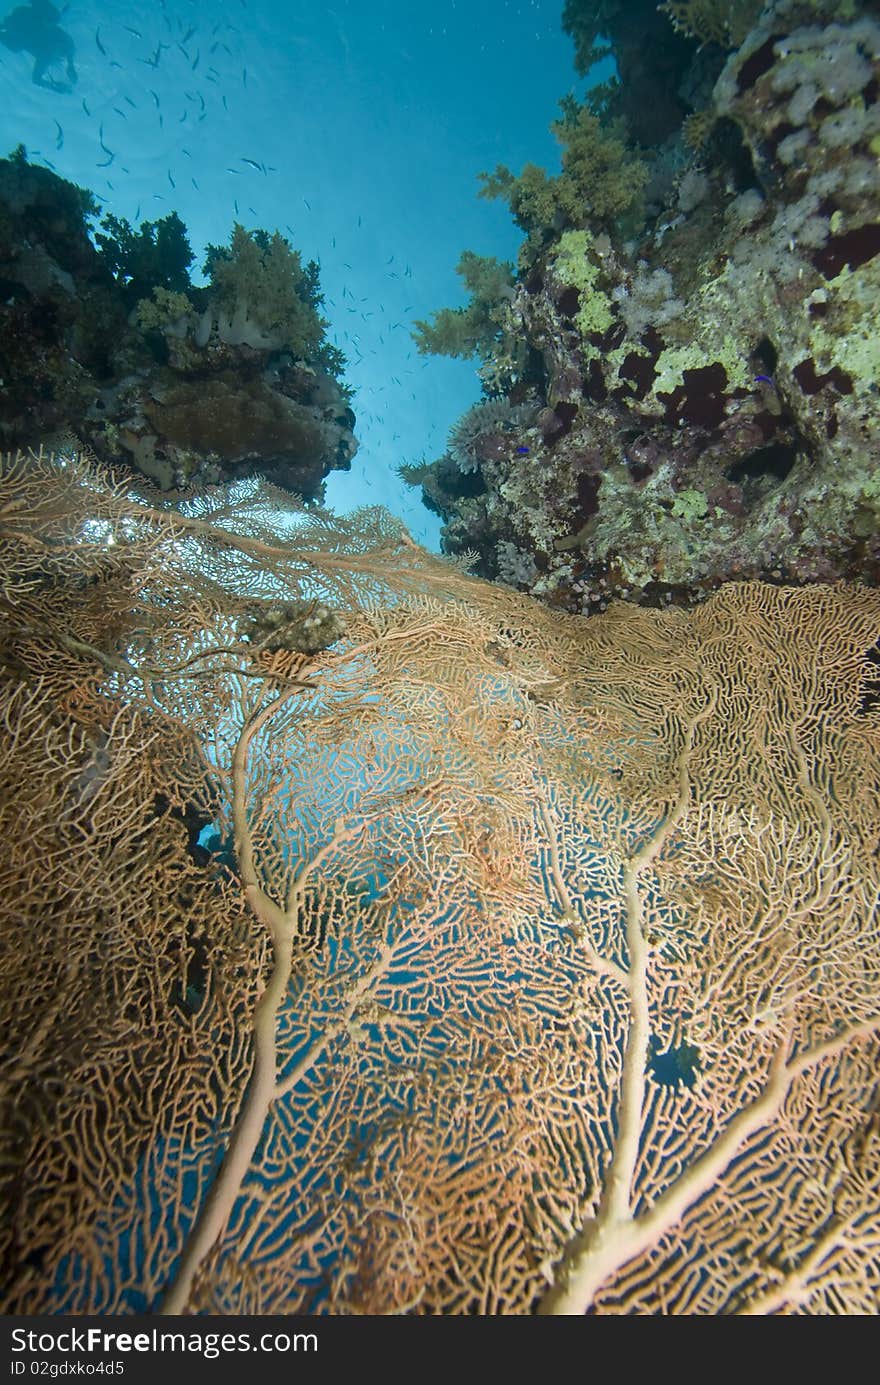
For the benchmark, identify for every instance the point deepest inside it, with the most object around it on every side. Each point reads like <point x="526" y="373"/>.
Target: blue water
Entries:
<point x="372" y="119"/>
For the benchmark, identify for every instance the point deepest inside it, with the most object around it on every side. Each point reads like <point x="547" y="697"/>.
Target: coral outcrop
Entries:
<point x="105" y="342"/>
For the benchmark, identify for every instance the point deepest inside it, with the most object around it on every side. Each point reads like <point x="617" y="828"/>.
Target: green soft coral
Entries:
<point x="477" y="328"/>
<point x="725" y="22"/>
<point x="156" y="255"/>
<point x="601" y="182"/>
<point x="262" y="277"/>
<point x="165" y="309"/>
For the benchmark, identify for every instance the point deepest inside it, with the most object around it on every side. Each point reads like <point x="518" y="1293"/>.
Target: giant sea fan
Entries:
<point x="466" y="958"/>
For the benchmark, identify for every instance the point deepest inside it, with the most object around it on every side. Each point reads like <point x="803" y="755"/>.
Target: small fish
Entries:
<point x="60" y="139"/>
<point x="171" y="180"/>
<point x="154" y="96"/>
<point x="188" y="35"/>
<point x="768" y="393"/>
<point x="85" y="107"/>
<point x="253" y="163"/>
<point x="101" y="48"/>
<point x="195" y="64"/>
<point x="137" y="33"/>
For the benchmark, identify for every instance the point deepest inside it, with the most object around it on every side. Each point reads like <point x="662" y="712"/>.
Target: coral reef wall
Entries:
<point x="700" y="366"/>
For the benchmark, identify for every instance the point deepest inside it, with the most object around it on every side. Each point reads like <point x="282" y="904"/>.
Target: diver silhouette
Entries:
<point x="34" y="28"/>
